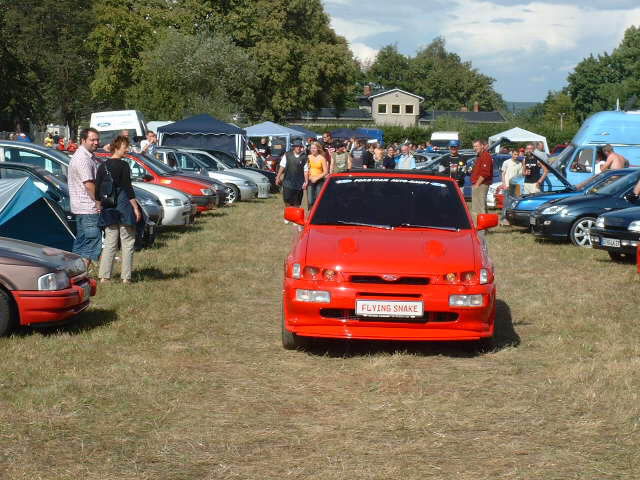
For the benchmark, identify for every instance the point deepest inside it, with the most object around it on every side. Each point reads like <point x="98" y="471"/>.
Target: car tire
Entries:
<point x="622" y="257"/>
<point x="579" y="233"/>
<point x="233" y="194"/>
<point x="7" y="313"/>
<point x="291" y="341"/>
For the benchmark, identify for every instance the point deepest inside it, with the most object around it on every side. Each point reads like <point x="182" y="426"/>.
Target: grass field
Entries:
<point x="182" y="376"/>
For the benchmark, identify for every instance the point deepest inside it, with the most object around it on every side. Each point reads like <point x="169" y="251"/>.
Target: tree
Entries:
<point x="188" y="74"/>
<point x="390" y="68"/>
<point x="557" y="106"/>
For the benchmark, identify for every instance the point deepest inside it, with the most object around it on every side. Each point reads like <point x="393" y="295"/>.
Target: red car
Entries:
<point x="40" y="285"/>
<point x="388" y="255"/>
<point x="154" y="171"/>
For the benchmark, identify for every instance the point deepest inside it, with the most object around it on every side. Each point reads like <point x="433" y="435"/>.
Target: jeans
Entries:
<point x="505" y="205"/>
<point x="127" y="236"/>
<point x="88" y="242"/>
<point x="313" y="189"/>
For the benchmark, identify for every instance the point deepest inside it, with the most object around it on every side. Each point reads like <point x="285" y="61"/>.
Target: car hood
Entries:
<point x="17" y="252"/>
<point x="229" y="176"/>
<point x="398" y="251"/>
<point x="622" y="218"/>
<point x="160" y="191"/>
<point x="248" y="174"/>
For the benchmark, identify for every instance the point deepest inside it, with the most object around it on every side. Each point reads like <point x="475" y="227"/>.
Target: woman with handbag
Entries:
<point x="119" y="210"/>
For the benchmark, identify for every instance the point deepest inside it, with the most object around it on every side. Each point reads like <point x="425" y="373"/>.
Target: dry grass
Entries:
<point x="181" y="376"/>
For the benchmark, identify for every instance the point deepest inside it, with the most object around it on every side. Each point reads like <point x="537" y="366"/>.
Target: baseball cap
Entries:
<point x="454" y="143"/>
<point x="297" y="143"/>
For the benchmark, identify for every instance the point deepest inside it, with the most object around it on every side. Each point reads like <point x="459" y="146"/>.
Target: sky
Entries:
<point x="528" y="47"/>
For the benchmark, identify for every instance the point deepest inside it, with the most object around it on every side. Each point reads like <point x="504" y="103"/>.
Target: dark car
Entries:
<point x="618" y="233"/>
<point x="232" y="162"/>
<point x="572" y="218"/>
<point x="520" y="208"/>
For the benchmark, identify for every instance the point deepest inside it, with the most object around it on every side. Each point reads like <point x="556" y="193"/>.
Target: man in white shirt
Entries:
<point x="405" y="161"/>
<point x="150" y="144"/>
<point x="511" y="168"/>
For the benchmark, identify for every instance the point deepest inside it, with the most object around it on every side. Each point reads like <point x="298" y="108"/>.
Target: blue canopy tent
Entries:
<point x="27" y="214"/>
<point x="304" y="131"/>
<point x="346" y="133"/>
<point x="270" y="129"/>
<point x="205" y="133"/>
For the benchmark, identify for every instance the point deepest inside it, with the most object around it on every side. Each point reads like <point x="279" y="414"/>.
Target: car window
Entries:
<point x="391" y="201"/>
<point x="185" y="161"/>
<point x="583" y="162"/>
<point x="136" y="170"/>
<point x="620" y="185"/>
<point x="32" y="158"/>
<point x="603" y="183"/>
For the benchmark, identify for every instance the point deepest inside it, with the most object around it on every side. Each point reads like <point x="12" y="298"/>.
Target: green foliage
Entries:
<point x="441" y="77"/>
<point x="188" y="74"/>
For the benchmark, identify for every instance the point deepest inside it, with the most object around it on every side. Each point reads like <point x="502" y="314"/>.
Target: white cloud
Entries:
<point x="359" y="29"/>
<point x="364" y="53"/>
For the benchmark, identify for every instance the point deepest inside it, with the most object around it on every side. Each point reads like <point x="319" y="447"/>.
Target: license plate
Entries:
<point x="389" y="308"/>
<point x="610" y="242"/>
<point x="532" y="220"/>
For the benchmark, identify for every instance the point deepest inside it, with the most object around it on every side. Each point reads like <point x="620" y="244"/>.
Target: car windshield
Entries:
<point x="602" y="181"/>
<point x="562" y="159"/>
<point x="391" y="202"/>
<point x="157" y="166"/>
<point x="621" y="185"/>
<point x="204" y="158"/>
<point x="225" y="158"/>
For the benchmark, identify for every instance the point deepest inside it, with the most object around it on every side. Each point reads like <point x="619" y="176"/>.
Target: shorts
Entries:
<point x="292" y="196"/>
<point x="88" y="242"/>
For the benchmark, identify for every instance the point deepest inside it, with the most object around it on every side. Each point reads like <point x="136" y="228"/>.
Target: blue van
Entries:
<point x="577" y="161"/>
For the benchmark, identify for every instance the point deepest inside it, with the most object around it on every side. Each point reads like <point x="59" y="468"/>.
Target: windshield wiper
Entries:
<point x="360" y="224"/>
<point x="414" y="225"/>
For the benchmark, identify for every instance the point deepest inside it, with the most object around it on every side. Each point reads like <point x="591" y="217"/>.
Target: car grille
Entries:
<point x="377" y="279"/>
<point x="350" y="314"/>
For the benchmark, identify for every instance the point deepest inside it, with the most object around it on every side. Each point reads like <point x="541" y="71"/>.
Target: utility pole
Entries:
<point x="561" y="115"/>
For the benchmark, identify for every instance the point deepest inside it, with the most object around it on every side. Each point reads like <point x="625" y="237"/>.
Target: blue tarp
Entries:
<point x="27" y="214"/>
<point x="205" y="133"/>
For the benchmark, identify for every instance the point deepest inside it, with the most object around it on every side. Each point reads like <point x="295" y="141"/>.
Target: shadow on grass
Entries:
<point x="505" y="336"/>
<point x="152" y="273"/>
<point x="84" y="322"/>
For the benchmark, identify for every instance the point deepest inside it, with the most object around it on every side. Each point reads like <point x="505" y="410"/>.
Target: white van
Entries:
<point x="440" y="140"/>
<point x="110" y="124"/>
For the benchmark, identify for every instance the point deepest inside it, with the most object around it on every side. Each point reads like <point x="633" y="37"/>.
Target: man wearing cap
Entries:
<point x="455" y="166"/>
<point x="293" y="174"/>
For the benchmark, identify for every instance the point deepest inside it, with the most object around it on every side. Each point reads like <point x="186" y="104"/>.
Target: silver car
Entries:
<point x="240" y="187"/>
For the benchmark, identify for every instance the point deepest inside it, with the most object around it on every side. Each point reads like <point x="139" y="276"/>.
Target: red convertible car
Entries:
<point x="389" y="255"/>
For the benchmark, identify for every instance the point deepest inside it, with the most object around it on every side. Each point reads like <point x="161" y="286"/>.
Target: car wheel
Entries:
<point x="579" y="233"/>
<point x="7" y="314"/>
<point x="622" y="257"/>
<point x="233" y="194"/>
<point x="291" y="341"/>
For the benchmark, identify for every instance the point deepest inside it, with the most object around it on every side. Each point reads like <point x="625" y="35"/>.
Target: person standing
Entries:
<point x="341" y="159"/>
<point x="119" y="220"/>
<point x="82" y="194"/>
<point x="511" y="168"/>
<point x="481" y="178"/>
<point x="540" y="152"/>
<point x="150" y="144"/>
<point x="533" y="170"/>
<point x="368" y="160"/>
<point x="456" y="164"/>
<point x="48" y="140"/>
<point x="293" y="175"/>
<point x="378" y="155"/>
<point x="389" y="160"/>
<point x="318" y="170"/>
<point x="405" y="161"/>
<point x="357" y="155"/>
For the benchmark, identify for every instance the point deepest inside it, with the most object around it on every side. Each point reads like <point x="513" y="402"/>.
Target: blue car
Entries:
<point x="520" y="208"/>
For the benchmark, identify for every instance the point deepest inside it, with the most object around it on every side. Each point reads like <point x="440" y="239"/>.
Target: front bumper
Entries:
<point x="204" y="202"/>
<point x="248" y="192"/>
<point x="519" y="218"/>
<point x="176" y="215"/>
<point x="550" y="226"/>
<point x="337" y="319"/>
<point x="57" y="306"/>
<point x="629" y="241"/>
<point x="264" y="189"/>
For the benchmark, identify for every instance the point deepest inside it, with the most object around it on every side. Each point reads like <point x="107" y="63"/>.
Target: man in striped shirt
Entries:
<point x="82" y="192"/>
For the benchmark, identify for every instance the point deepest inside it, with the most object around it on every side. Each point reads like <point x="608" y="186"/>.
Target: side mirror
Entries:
<point x="296" y="215"/>
<point x="486" y="220"/>
<point x="146" y="177"/>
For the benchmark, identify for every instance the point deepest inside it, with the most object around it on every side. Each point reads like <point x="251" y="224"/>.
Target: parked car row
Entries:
<point x="41" y="282"/>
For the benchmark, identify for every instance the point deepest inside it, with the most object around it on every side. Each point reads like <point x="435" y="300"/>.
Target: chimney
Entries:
<point x="367" y="90"/>
<point x="476" y="107"/>
<point x="464" y="108"/>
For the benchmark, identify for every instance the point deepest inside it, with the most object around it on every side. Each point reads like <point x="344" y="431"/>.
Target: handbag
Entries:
<point x="108" y="191"/>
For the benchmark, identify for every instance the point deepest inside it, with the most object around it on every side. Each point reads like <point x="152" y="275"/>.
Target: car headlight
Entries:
<point x="206" y="191"/>
<point x="599" y="222"/>
<point x="554" y="210"/>
<point x="53" y="281"/>
<point x="247" y="183"/>
<point x="313" y="296"/>
<point x="634" y="226"/>
<point x="514" y="204"/>
<point x="173" y="202"/>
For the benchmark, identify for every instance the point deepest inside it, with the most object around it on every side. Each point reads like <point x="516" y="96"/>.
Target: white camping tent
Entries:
<point x="518" y="134"/>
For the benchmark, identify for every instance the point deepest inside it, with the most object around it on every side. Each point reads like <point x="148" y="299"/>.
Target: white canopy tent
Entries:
<point x="518" y="134"/>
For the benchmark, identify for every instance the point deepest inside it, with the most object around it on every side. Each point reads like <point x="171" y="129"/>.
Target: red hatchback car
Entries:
<point x="388" y="255"/>
<point x="154" y="171"/>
